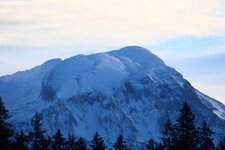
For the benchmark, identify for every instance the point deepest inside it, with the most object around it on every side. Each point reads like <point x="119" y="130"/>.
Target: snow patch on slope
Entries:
<point x="218" y="108"/>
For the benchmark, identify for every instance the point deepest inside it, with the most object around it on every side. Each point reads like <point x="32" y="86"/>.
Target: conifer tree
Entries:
<point x="80" y="144"/>
<point x="168" y="135"/>
<point x="153" y="145"/>
<point x="221" y="145"/>
<point x="120" y="144"/>
<point x="70" y="143"/>
<point x="58" y="142"/>
<point x="37" y="135"/>
<point x="20" y="141"/>
<point x="97" y="143"/>
<point x="186" y="132"/>
<point x="5" y="128"/>
<point x="205" y="137"/>
<point x="47" y="143"/>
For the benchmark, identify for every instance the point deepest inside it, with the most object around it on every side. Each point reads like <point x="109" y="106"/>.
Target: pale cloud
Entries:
<point x="189" y="47"/>
<point x="107" y="22"/>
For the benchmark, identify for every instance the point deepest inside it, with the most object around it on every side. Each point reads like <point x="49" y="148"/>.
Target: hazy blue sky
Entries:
<point x="188" y="35"/>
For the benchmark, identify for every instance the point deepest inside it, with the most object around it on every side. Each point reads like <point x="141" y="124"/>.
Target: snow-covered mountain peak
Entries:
<point x="134" y="49"/>
<point x="52" y="62"/>
<point x="140" y="55"/>
<point x="128" y="91"/>
<point x="101" y="71"/>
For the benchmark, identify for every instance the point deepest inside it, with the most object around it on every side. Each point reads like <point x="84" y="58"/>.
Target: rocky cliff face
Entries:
<point x="128" y="91"/>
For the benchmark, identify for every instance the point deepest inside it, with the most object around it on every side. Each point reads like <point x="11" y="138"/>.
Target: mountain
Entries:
<point x="129" y="91"/>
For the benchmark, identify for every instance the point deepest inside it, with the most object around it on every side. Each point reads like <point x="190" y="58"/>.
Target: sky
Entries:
<point x="188" y="35"/>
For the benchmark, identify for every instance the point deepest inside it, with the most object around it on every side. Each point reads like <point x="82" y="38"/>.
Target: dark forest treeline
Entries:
<point x="182" y="134"/>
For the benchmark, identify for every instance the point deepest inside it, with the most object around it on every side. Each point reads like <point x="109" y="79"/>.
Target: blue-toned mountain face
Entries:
<point x="129" y="91"/>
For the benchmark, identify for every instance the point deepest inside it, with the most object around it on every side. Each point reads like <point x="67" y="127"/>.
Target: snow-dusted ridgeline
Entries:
<point x="128" y="91"/>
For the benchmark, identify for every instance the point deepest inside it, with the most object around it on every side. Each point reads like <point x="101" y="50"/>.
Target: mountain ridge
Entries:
<point x="128" y="91"/>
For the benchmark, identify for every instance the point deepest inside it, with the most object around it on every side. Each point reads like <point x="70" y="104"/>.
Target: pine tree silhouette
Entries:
<point x="58" y="142"/>
<point x="81" y="144"/>
<point x="120" y="144"/>
<point x="205" y="137"/>
<point x="37" y="135"/>
<point x="168" y="135"/>
<point x="5" y="128"/>
<point x="47" y="143"/>
<point x="20" y="141"/>
<point x="70" y="143"/>
<point x="153" y="145"/>
<point x="97" y="143"/>
<point x="221" y="145"/>
<point x="186" y="132"/>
